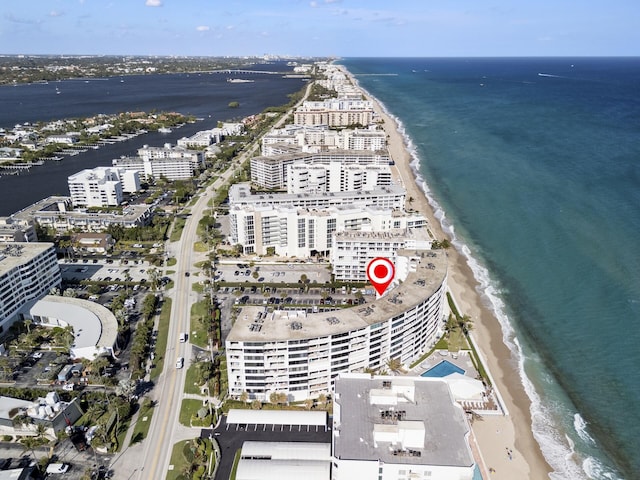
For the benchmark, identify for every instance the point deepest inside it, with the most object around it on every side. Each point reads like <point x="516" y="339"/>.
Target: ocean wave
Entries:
<point x="581" y="429"/>
<point x="597" y="470"/>
<point x="558" y="450"/>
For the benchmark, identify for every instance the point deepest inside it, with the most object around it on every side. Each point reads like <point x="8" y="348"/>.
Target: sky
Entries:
<point x="344" y="28"/>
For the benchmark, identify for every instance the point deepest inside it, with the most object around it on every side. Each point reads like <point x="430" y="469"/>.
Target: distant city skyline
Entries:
<point x="346" y="28"/>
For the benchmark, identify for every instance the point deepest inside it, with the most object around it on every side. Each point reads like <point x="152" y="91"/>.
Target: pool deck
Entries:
<point x="460" y="359"/>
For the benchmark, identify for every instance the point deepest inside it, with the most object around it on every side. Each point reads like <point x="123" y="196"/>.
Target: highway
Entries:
<point x="170" y="387"/>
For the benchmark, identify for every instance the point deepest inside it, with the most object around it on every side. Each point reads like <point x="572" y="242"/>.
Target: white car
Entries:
<point x="57" y="468"/>
<point x="180" y="362"/>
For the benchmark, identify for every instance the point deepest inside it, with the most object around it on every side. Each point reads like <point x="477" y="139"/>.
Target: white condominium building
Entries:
<point x="302" y="232"/>
<point x="335" y="113"/>
<point x="300" y="354"/>
<point x="398" y="428"/>
<point x="27" y="272"/>
<point x="57" y="213"/>
<point x="97" y="187"/>
<point x="201" y="139"/>
<point x="391" y="197"/>
<point x="319" y="138"/>
<point x="271" y="172"/>
<point x="174" y="163"/>
<point x="305" y="178"/>
<point x="353" y="250"/>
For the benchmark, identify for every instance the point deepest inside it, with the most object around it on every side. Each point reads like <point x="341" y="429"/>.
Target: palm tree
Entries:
<point x="394" y="364"/>
<point x="30" y="443"/>
<point x="244" y="396"/>
<point x="451" y="326"/>
<point x="466" y="324"/>
<point x="27" y="323"/>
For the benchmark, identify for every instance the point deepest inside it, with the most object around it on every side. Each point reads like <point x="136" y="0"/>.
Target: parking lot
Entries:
<point x="272" y="272"/>
<point x="102" y="271"/>
<point x="231" y="438"/>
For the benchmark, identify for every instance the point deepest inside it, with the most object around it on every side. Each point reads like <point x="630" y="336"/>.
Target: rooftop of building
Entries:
<point x="240" y="193"/>
<point x="93" y="324"/>
<point x="14" y="254"/>
<point x="399" y="420"/>
<point x="422" y="272"/>
<point x="394" y="234"/>
<point x="51" y="206"/>
<point x="277" y="159"/>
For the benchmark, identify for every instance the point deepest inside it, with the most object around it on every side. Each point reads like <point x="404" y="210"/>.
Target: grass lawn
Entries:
<point x="200" y="247"/>
<point x="171" y="261"/>
<point x="178" y="461"/>
<point x="457" y="341"/>
<point x="236" y="461"/>
<point x="190" y="380"/>
<point x="141" y="428"/>
<point x="178" y="226"/>
<point x="197" y="287"/>
<point x="190" y="408"/>
<point x="161" y="342"/>
<point x="199" y="313"/>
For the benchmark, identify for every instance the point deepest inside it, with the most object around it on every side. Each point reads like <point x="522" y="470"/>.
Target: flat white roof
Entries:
<point x="93" y="325"/>
<point x="277" y="417"/>
<point x="287" y="450"/>
<point x="282" y="470"/>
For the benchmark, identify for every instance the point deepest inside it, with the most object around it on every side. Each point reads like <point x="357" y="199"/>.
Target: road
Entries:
<point x="170" y="387"/>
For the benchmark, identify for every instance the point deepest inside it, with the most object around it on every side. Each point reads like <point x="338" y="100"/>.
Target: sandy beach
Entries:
<point x="506" y="443"/>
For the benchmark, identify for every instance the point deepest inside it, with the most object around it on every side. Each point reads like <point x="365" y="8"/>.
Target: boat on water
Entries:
<point x="239" y="80"/>
<point x="164" y="130"/>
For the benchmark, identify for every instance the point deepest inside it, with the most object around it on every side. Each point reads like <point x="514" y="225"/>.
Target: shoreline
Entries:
<point x="493" y="436"/>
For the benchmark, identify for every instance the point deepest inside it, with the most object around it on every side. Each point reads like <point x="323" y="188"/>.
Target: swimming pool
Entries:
<point x="443" y="369"/>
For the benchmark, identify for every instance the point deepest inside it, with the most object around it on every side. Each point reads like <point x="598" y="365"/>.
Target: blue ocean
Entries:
<point x="534" y="168"/>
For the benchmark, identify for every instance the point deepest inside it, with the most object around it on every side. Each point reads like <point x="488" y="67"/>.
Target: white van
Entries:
<point x="57" y="468"/>
<point x="180" y="362"/>
<point x="183" y="337"/>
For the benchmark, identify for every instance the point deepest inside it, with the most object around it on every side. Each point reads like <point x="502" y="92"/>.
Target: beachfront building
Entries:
<point x="302" y="232"/>
<point x="390" y="428"/>
<point x="318" y="138"/>
<point x="391" y="196"/>
<point x="341" y="112"/>
<point x="57" y="214"/>
<point x="15" y="230"/>
<point x="271" y="172"/>
<point x="300" y="353"/>
<point x="96" y="187"/>
<point x="353" y="250"/>
<point x="173" y="163"/>
<point x="27" y="272"/>
<point x="334" y="177"/>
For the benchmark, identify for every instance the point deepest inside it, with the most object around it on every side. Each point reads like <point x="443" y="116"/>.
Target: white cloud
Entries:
<point x="153" y="3"/>
<point x="313" y="4"/>
<point x="55" y="13"/>
<point x="203" y="28"/>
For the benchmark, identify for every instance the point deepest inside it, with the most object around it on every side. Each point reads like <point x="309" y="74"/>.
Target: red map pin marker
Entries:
<point x="381" y="272"/>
